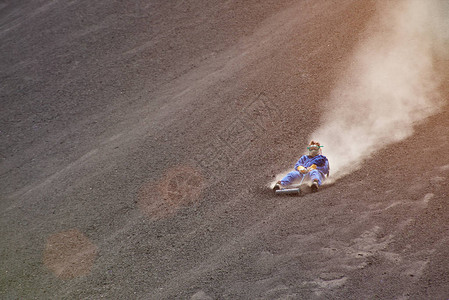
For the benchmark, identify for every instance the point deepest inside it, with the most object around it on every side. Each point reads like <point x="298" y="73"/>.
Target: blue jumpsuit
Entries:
<point x="322" y="169"/>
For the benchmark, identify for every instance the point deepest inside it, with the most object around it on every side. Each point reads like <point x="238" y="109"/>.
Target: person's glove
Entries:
<point x="312" y="167"/>
<point x="302" y="169"/>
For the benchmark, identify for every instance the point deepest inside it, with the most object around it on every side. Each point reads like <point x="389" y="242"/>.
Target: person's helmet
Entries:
<point x="314" y="148"/>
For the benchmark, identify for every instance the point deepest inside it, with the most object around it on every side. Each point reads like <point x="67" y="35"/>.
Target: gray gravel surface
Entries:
<point x="137" y="140"/>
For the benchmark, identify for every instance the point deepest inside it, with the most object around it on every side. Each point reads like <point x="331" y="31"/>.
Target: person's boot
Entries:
<point x="314" y="186"/>
<point x="277" y="186"/>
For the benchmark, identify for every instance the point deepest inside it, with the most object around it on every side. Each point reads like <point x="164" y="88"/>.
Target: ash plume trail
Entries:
<point x="390" y="84"/>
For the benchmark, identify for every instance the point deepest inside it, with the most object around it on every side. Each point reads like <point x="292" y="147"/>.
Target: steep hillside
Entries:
<point x="138" y="140"/>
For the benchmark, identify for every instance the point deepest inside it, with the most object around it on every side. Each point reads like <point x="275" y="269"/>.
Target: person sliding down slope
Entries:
<point x="314" y="165"/>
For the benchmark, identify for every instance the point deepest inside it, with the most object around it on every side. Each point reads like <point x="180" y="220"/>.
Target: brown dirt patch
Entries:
<point x="180" y="186"/>
<point x="69" y="254"/>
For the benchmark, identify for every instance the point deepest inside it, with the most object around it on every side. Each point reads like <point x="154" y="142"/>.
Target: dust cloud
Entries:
<point x="391" y="83"/>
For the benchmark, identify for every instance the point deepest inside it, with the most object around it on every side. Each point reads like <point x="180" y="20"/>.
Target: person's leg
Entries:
<point x="290" y="178"/>
<point x="315" y="175"/>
